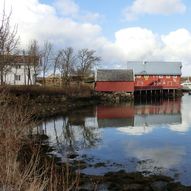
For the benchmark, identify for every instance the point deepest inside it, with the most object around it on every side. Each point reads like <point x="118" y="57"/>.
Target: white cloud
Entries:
<point x="164" y="7"/>
<point x="42" y="22"/>
<point x="66" y="7"/>
<point x="136" y="130"/>
<point x="142" y="44"/>
<point x="136" y="42"/>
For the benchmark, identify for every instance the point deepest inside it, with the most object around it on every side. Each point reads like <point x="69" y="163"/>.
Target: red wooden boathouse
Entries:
<point x="156" y="75"/>
<point x="114" y="81"/>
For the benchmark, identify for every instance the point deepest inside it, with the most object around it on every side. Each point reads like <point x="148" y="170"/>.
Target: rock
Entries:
<point x="72" y="156"/>
<point x="133" y="187"/>
<point x="159" y="186"/>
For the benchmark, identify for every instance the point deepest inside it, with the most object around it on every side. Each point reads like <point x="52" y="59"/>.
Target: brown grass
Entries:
<point x="74" y="90"/>
<point x="26" y="169"/>
<point x="15" y="122"/>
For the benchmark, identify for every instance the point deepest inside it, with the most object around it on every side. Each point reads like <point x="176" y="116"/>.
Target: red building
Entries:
<point x="114" y="81"/>
<point x="156" y="75"/>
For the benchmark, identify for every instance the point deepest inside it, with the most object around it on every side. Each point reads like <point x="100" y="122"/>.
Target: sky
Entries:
<point x="119" y="31"/>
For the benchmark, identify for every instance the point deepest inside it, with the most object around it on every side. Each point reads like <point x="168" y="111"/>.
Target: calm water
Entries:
<point x="150" y="137"/>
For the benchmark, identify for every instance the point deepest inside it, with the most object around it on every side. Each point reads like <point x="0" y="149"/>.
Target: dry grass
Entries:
<point x="15" y="122"/>
<point x="26" y="169"/>
<point x="74" y="90"/>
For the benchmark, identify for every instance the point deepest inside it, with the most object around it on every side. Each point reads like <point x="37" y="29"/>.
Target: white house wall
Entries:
<point x="22" y="72"/>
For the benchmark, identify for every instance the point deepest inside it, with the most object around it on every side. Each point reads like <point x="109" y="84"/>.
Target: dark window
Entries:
<point x="18" y="66"/>
<point x="17" y="77"/>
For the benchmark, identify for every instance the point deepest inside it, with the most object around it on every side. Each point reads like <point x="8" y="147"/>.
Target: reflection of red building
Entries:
<point x="166" y="107"/>
<point x="109" y="112"/>
<point x="115" y="116"/>
<point x="137" y="115"/>
<point x="114" y="81"/>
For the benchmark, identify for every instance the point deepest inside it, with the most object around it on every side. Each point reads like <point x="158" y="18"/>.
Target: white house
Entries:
<point x="21" y="72"/>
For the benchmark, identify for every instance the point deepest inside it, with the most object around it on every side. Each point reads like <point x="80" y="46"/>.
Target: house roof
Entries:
<point x="155" y="68"/>
<point x="122" y="122"/>
<point x="114" y="75"/>
<point x="18" y="59"/>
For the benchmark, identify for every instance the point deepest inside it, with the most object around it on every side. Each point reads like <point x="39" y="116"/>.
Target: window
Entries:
<point x="174" y="76"/>
<point x="138" y="76"/>
<point x="17" y="77"/>
<point x="169" y="83"/>
<point x="18" y="66"/>
<point x="160" y="76"/>
<point x="167" y="76"/>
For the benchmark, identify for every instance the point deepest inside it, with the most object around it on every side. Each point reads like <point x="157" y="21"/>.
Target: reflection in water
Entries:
<point x="139" y="119"/>
<point x="152" y="137"/>
<point x="69" y="135"/>
<point x="139" y="115"/>
<point x="164" y="156"/>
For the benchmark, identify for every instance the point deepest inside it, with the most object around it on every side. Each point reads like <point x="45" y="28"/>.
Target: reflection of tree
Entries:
<point x="72" y="138"/>
<point x="90" y="136"/>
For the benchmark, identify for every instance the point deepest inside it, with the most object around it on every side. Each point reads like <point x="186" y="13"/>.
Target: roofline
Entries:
<point x="154" y="61"/>
<point x="117" y="81"/>
<point x="115" y="69"/>
<point x="167" y="74"/>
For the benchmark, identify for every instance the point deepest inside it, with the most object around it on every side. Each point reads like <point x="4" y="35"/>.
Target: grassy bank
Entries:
<point x="24" y="166"/>
<point x="49" y="101"/>
<point x="74" y="90"/>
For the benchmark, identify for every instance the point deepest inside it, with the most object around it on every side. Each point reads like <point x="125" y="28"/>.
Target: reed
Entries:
<point x="27" y="169"/>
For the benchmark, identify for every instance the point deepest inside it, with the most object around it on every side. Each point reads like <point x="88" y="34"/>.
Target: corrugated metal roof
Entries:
<point x="155" y="68"/>
<point x="114" y="75"/>
<point x="140" y="120"/>
<point x="122" y="122"/>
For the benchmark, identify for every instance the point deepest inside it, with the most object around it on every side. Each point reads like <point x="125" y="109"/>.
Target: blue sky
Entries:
<point x="112" y="18"/>
<point x="118" y="30"/>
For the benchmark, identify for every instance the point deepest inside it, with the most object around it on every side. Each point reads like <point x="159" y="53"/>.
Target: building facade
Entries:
<point x="20" y="72"/>
<point x="114" y="81"/>
<point x="156" y="75"/>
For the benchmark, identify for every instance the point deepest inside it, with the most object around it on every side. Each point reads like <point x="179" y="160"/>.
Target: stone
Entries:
<point x="159" y="186"/>
<point x="133" y="187"/>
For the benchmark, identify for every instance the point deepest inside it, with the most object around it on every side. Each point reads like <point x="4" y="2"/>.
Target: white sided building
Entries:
<point x="20" y="73"/>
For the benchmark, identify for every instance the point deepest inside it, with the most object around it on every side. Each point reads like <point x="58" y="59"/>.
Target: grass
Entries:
<point x="74" y="90"/>
<point x="23" y="167"/>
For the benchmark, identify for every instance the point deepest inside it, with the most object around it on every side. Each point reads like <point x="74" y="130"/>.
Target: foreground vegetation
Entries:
<point x="23" y="166"/>
<point x="28" y="165"/>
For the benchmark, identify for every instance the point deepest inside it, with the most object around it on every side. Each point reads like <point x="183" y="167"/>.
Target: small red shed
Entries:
<point x="118" y="80"/>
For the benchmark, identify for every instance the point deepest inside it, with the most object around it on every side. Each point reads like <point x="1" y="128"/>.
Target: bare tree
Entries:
<point x="46" y="58"/>
<point x="66" y="62"/>
<point x="27" y="68"/>
<point x="86" y="61"/>
<point x="34" y="58"/>
<point x="56" y="64"/>
<point x="8" y="44"/>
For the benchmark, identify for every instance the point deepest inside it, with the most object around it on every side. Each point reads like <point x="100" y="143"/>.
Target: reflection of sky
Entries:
<point x="186" y="116"/>
<point x="158" y="141"/>
<point x="176" y="122"/>
<point x="160" y="147"/>
<point x="165" y="156"/>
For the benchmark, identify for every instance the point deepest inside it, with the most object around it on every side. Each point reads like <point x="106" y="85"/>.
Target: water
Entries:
<point x="151" y="137"/>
